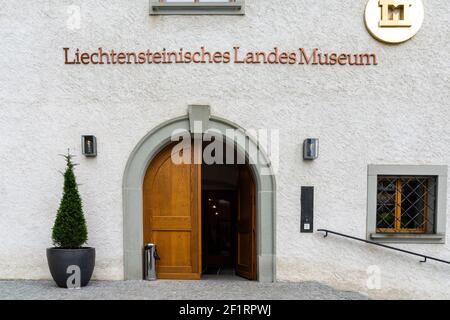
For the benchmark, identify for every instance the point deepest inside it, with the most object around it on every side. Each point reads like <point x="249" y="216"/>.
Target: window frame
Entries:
<point x="440" y="172"/>
<point x="158" y="7"/>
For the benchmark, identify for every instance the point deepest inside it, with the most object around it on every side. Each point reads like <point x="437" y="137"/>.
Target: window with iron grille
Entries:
<point x="406" y="204"/>
<point x="225" y="7"/>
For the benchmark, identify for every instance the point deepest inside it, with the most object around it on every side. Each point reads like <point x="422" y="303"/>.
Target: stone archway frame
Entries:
<point x="135" y="171"/>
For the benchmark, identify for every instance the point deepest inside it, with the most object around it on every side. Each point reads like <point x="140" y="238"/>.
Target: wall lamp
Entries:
<point x="310" y="149"/>
<point x="89" y="146"/>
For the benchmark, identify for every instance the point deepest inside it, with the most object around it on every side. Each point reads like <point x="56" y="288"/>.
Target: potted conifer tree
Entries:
<point x="71" y="264"/>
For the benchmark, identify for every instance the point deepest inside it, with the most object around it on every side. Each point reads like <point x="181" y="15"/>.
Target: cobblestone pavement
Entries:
<point x="226" y="289"/>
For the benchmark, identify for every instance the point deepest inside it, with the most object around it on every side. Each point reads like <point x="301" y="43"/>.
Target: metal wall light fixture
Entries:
<point x="310" y="149"/>
<point x="89" y="146"/>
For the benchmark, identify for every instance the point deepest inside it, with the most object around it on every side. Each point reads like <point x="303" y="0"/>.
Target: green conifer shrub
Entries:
<point x="69" y="230"/>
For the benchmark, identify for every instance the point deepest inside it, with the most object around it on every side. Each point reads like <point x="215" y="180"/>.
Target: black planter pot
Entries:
<point x="59" y="260"/>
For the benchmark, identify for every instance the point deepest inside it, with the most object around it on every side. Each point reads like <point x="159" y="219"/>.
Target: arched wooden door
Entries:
<point x="172" y="216"/>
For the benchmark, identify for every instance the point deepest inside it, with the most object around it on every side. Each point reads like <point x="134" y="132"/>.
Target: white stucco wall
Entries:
<point x="393" y="113"/>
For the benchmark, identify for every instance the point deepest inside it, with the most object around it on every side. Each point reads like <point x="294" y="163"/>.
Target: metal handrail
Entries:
<point x="425" y="257"/>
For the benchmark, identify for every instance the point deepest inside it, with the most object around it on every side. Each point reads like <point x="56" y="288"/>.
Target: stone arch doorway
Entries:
<point x="152" y="144"/>
<point x="201" y="216"/>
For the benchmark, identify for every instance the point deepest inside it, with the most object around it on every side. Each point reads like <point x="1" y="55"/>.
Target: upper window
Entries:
<point x="407" y="203"/>
<point x="221" y="7"/>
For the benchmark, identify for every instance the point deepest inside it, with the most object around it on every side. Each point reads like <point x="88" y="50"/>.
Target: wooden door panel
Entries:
<point x="171" y="189"/>
<point x="246" y="224"/>
<point x="244" y="257"/>
<point x="172" y="216"/>
<point x="170" y="245"/>
<point x="171" y="223"/>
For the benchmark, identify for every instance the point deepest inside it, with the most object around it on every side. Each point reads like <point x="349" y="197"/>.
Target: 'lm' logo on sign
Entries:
<point x="395" y="13"/>
<point x="394" y="21"/>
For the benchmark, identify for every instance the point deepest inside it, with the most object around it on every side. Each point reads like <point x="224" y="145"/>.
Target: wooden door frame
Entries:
<point x="134" y="173"/>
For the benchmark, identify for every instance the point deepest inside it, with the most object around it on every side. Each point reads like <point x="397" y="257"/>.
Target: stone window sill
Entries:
<point x="407" y="238"/>
<point x="204" y="8"/>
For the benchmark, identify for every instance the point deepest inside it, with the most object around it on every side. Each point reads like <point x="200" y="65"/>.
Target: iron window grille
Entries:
<point x="406" y="204"/>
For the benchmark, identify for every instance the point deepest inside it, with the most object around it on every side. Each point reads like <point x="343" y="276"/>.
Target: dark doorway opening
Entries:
<point x="228" y="221"/>
<point x="218" y="232"/>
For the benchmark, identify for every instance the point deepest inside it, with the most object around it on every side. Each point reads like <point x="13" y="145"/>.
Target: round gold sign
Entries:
<point x="394" y="21"/>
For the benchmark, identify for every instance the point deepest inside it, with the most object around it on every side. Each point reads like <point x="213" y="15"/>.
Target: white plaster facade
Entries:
<point x="394" y="113"/>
